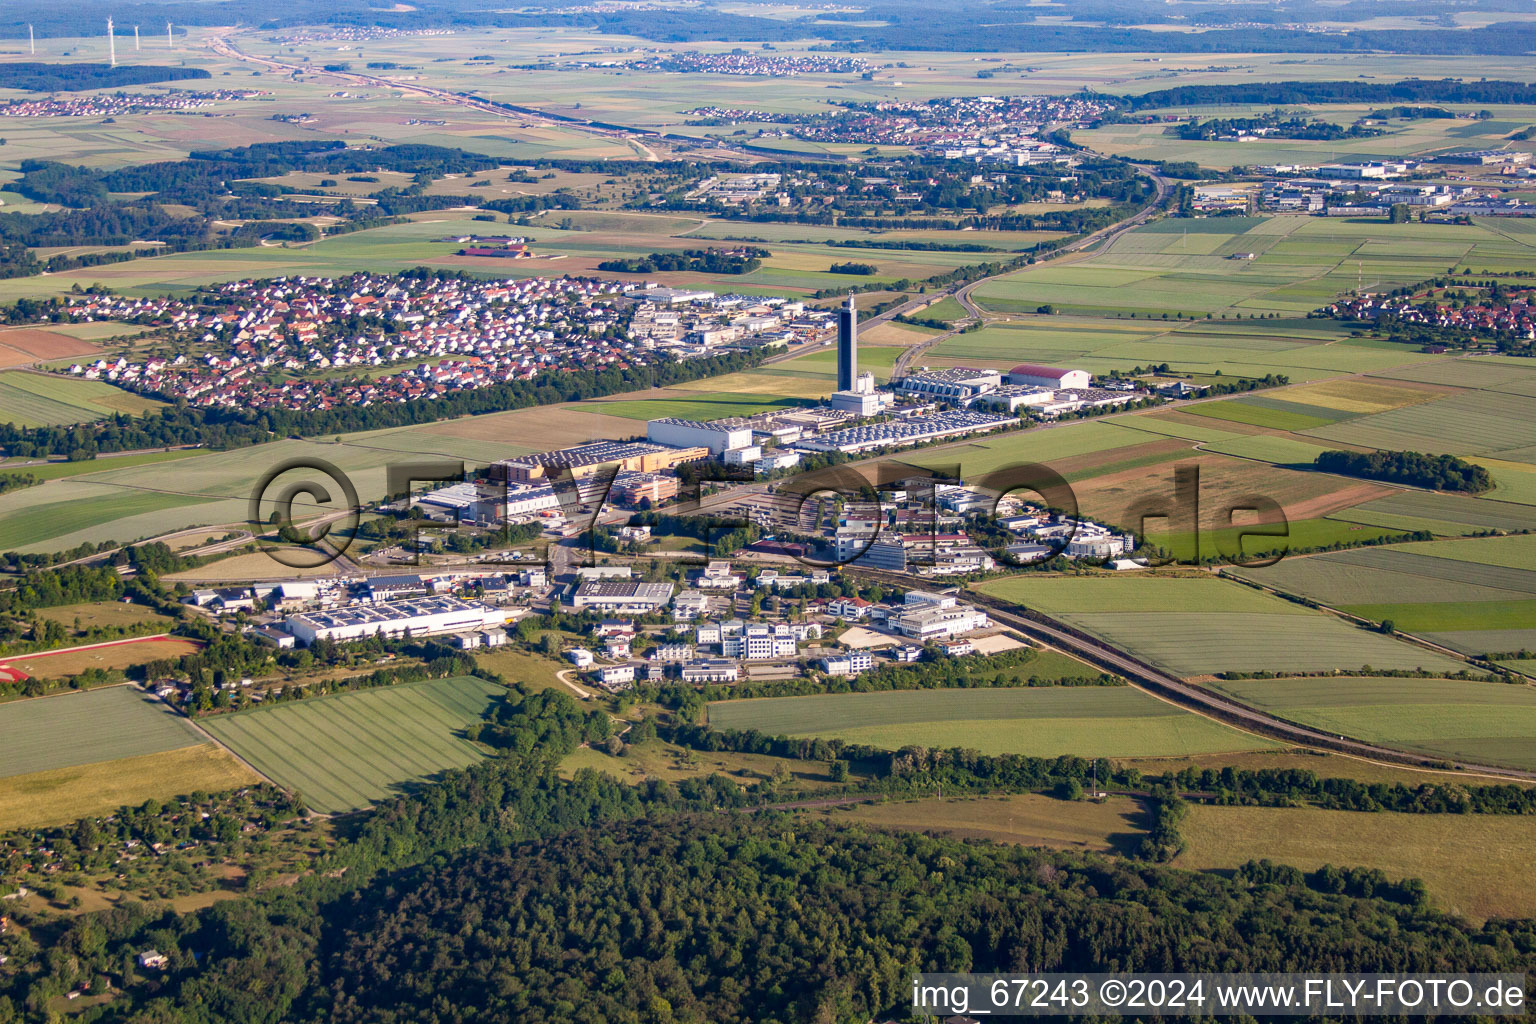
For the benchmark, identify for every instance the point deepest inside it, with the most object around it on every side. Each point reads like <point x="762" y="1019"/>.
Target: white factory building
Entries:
<point x="929" y="616"/>
<point x="1048" y="377"/>
<point x="719" y="436"/>
<point x="421" y="616"/>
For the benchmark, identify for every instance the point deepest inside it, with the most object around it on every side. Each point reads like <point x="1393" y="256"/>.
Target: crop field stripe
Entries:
<point x="72" y="729"/>
<point x="272" y="750"/>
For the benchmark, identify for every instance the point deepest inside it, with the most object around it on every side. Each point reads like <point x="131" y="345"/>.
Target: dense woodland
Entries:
<point x="39" y="77"/>
<point x="210" y="182"/>
<point x="1409" y="90"/>
<point x="1437" y="472"/>
<point x="700" y="261"/>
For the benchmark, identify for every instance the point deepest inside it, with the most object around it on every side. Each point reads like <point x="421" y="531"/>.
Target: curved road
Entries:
<point x="1195" y="698"/>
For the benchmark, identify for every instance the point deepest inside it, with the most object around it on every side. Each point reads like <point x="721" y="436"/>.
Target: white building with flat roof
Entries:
<point x="419" y="616"/>
<point x="719" y="436"/>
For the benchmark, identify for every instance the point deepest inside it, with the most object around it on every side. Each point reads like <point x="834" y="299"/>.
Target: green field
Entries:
<point x="1090" y="721"/>
<point x="707" y="406"/>
<point x="1239" y="411"/>
<point x="349" y="750"/>
<point x="1184" y="268"/>
<point x="1446" y="515"/>
<point x="73" y="729"/>
<point x="1480" y="722"/>
<point x="1193" y="626"/>
<point x="38" y="400"/>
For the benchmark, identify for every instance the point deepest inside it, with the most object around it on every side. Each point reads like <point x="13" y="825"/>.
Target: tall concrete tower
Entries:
<point x="111" y="43"/>
<point x="847" y="346"/>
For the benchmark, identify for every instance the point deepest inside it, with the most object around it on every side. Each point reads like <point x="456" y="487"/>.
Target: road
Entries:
<point x="1194" y="698"/>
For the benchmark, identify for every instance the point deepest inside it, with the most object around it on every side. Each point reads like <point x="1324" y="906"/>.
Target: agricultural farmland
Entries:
<point x="61" y="795"/>
<point x="1198" y="626"/>
<point x="1182" y="268"/>
<point x="349" y="750"/>
<point x="1474" y="865"/>
<point x="41" y="400"/>
<point x="1489" y="723"/>
<point x="73" y="729"/>
<point x="1090" y="721"/>
<point x="1029" y="819"/>
<point x="1471" y="605"/>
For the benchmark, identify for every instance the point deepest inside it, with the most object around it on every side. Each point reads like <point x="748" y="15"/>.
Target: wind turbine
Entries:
<point x="111" y="42"/>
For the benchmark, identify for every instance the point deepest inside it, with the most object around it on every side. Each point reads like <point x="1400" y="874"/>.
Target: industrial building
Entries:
<point x="588" y="459"/>
<point x="1048" y="377"/>
<point x="622" y="596"/>
<point x="419" y="617"/>
<point x="956" y="383"/>
<point x="718" y="436"/>
<point x="905" y="432"/>
<point x="630" y="489"/>
<point x="929" y="616"/>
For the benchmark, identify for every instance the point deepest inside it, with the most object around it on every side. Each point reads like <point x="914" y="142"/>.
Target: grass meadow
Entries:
<point x="61" y="795"/>
<point x="72" y="729"/>
<point x="1027" y="819"/>
<point x="40" y="400"/>
<point x="1091" y="721"/>
<point x="1490" y="723"/>
<point x="349" y="750"/>
<point x="1474" y="865"/>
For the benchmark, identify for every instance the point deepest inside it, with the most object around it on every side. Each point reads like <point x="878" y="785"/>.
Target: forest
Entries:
<point x="1438" y="472"/>
<point x="506" y="893"/>
<point x="1407" y="91"/>
<point x="39" y="77"/>
<point x="703" y="261"/>
<point x="211" y="182"/>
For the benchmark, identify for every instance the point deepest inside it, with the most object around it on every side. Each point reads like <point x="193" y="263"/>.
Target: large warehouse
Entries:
<point x="718" y="436"/>
<point x="1048" y="376"/>
<point x="622" y="596"/>
<point x="421" y="616"/>
<point x="588" y="459"/>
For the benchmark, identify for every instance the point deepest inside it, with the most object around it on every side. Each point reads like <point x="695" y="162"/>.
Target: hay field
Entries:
<point x="1173" y="267"/>
<point x="119" y="655"/>
<point x="1445" y="515"/>
<point x="73" y="729"/>
<point x="1026" y="819"/>
<point x="102" y="613"/>
<point x="1089" y="721"/>
<point x="62" y="795"/>
<point x="1474" y="865"/>
<point x="349" y="750"/>
<point x="1489" y="723"/>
